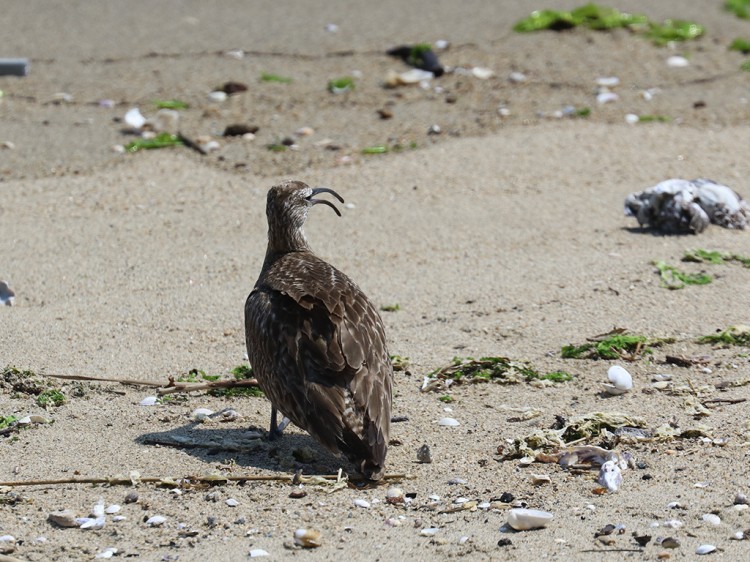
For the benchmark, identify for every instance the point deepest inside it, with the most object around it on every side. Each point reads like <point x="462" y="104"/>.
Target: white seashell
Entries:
<point x="738" y="536"/>
<point x="429" y="531"/>
<point x="415" y="76"/>
<point x="331" y="28"/>
<point x="484" y="505"/>
<point x="118" y="518"/>
<point x="217" y="96"/>
<point x="112" y="509"/>
<point x="517" y="77"/>
<point x="677" y="61"/>
<point x="463" y="539"/>
<point x="673" y="523"/>
<point x="7" y="538"/>
<point x="631" y="118"/>
<point x="394" y="495"/>
<point x="134" y="119"/>
<point x="107" y="552"/>
<point x="610" y="476"/>
<point x="362" y="503"/>
<point x="304" y="131"/>
<point x="94" y="523"/>
<point x="608" y="81"/>
<point x="201" y="413"/>
<point x="705" y="549"/>
<point x="482" y="73"/>
<point x="231" y="502"/>
<point x="148" y="401"/>
<point x="442" y="44"/>
<point x="98" y="510"/>
<point x="606" y="97"/>
<point x="257" y="552"/>
<point x="434" y="497"/>
<point x="307" y="538"/>
<point x="711" y="518"/>
<point x="156" y="520"/>
<point x="620" y="378"/>
<point x="448" y="422"/>
<point x="525" y="519"/>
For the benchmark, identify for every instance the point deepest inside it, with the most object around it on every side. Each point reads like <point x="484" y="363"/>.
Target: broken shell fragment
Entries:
<point x="156" y="520"/>
<point x="201" y="414"/>
<point x="148" y="401"/>
<point x="394" y="495"/>
<point x="540" y="479"/>
<point x="134" y="118"/>
<point x="610" y="476"/>
<point x="526" y="519"/>
<point x="711" y="518"/>
<point x="307" y="538"/>
<point x="705" y="549"/>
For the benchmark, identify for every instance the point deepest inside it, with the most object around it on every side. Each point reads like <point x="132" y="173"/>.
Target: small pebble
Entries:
<point x="131" y="497"/>
<point x="670" y="542"/>
<point x="740" y="499"/>
<point x="65" y="518"/>
<point x="424" y="455"/>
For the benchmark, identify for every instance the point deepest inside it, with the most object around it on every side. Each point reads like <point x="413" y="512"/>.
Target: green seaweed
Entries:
<point x="614" y="346"/>
<point x="7" y="421"/>
<point x="341" y="85"/>
<point x="375" y="149"/>
<point x="390" y="307"/>
<point x="171" y="104"/>
<point x="654" y="119"/>
<point x="50" y="397"/>
<point x="496" y="369"/>
<point x="271" y="77"/>
<point x="740" y="8"/>
<point x="276" y="147"/>
<point x="741" y="45"/>
<point x="674" y="30"/>
<point x="714" y="257"/>
<point x="400" y="363"/>
<point x="673" y="279"/>
<point x="162" y="140"/>
<point x="416" y="55"/>
<point x="447" y="398"/>
<point x="241" y="372"/>
<point x="745" y="66"/>
<point x="733" y="335"/>
<point x="593" y="16"/>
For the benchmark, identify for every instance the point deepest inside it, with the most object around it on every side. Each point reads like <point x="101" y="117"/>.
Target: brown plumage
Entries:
<point x="315" y="341"/>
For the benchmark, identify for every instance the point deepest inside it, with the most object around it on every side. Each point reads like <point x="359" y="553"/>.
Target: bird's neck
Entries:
<point x="283" y="240"/>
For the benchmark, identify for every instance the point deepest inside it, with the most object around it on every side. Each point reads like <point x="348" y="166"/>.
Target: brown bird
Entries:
<point x="315" y="341"/>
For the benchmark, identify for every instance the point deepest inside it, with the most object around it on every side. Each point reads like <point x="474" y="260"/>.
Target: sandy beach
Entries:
<point x="490" y="225"/>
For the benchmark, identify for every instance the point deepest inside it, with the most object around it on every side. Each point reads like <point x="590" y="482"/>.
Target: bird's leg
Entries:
<point x="275" y="431"/>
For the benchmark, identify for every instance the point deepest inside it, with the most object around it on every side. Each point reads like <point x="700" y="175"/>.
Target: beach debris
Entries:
<point x="610" y="476"/>
<point x="149" y="401"/>
<point x="395" y="495"/>
<point x="108" y="552"/>
<point x="705" y="549"/>
<point x="407" y="78"/>
<point x="7" y="295"/>
<point x="156" y="520"/>
<point x="258" y="552"/>
<point x="449" y="422"/>
<point x="540" y="479"/>
<point x="341" y="85"/>
<point x="673" y="278"/>
<point x="733" y="335"/>
<point x="424" y="455"/>
<point x="419" y="56"/>
<point x="217" y="96"/>
<point x="14" y="67"/>
<point x="429" y="531"/>
<point x="359" y="502"/>
<point x="620" y="381"/>
<point x="307" y="538"/>
<point x="522" y="519"/>
<point x="615" y="344"/>
<point x="677" y="61"/>
<point x="684" y="206"/>
<point x="65" y="518"/>
<point x="497" y="369"/>
<point x="231" y="88"/>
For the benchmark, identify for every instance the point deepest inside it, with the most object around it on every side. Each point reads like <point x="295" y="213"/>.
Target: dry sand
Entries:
<point x="500" y="236"/>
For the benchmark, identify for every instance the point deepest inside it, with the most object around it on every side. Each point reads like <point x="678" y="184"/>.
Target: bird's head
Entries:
<point x="287" y="205"/>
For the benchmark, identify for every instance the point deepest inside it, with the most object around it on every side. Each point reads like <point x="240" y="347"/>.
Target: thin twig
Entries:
<point x="115" y="480"/>
<point x="724" y="401"/>
<point x="170" y="387"/>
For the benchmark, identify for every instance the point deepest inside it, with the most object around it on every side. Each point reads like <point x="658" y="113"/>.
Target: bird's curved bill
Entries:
<point x="318" y="190"/>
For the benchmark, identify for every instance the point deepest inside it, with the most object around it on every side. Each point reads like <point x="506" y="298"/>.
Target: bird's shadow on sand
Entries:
<point x="248" y="448"/>
<point x="642" y="230"/>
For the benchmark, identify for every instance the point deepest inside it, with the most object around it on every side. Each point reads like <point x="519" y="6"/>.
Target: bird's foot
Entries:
<point x="276" y="430"/>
